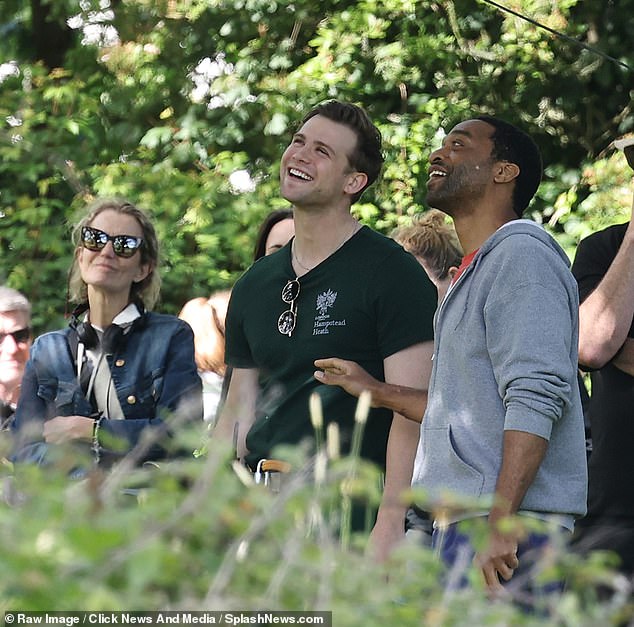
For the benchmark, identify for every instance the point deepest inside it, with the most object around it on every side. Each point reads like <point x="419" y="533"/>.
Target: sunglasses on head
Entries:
<point x="20" y="336"/>
<point x="288" y="319"/>
<point x="123" y="245"/>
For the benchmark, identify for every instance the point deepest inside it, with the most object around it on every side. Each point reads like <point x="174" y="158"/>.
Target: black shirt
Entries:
<point x="611" y="406"/>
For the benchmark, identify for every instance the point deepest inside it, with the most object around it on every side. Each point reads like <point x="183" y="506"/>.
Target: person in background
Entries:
<point x="275" y="232"/>
<point x="435" y="245"/>
<point x="15" y="343"/>
<point x="119" y="371"/>
<point x="604" y="269"/>
<point x="206" y="317"/>
<point x="331" y="291"/>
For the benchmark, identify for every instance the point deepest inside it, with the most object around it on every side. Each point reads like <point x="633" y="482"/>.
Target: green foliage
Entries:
<point x="192" y="91"/>
<point x="193" y="536"/>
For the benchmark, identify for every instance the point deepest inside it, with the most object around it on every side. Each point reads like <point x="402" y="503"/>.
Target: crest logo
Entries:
<point x="325" y="301"/>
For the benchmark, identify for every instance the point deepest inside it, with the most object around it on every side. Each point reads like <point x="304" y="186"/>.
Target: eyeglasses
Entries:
<point x="287" y="320"/>
<point x="20" y="336"/>
<point x="123" y="245"/>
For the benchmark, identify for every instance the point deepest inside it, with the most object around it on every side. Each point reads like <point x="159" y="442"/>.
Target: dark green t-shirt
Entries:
<point x="367" y="301"/>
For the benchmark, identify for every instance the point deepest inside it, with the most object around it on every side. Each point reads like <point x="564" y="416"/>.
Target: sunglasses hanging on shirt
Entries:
<point x="288" y="319"/>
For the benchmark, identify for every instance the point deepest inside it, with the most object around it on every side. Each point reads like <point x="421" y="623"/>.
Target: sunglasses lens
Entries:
<point x="125" y="246"/>
<point x="290" y="291"/>
<point x="91" y="238"/>
<point x="22" y="335"/>
<point x="286" y="322"/>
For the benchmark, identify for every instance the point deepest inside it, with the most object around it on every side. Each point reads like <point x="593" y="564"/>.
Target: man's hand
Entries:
<point x="65" y="428"/>
<point x="346" y="374"/>
<point x="499" y="559"/>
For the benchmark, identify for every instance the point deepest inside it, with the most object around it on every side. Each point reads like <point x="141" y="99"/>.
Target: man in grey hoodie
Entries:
<point x="503" y="426"/>
<point x="504" y="417"/>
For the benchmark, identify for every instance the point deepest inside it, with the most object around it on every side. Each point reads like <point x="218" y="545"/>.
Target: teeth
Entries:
<point x="300" y="174"/>
<point x="437" y="173"/>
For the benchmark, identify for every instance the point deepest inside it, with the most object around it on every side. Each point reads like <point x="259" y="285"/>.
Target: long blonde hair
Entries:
<point x="147" y="290"/>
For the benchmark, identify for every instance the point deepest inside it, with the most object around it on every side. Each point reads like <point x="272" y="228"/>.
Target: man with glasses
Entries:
<point x="337" y="288"/>
<point x="15" y="342"/>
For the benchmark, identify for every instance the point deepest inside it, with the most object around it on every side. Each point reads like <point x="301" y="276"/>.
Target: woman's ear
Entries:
<point x="143" y="272"/>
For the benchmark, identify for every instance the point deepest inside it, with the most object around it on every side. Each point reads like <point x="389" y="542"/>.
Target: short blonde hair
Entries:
<point x="206" y="317"/>
<point x="147" y="290"/>
<point x="431" y="238"/>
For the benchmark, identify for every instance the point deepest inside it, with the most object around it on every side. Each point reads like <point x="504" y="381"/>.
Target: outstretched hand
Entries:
<point x="346" y="374"/>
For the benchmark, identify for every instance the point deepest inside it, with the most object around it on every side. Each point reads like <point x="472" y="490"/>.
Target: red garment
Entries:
<point x="466" y="260"/>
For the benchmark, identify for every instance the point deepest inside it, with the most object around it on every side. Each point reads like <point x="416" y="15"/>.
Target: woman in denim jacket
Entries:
<point x="118" y="371"/>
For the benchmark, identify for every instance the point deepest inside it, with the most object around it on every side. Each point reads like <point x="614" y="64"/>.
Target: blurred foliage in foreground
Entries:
<point x="195" y="537"/>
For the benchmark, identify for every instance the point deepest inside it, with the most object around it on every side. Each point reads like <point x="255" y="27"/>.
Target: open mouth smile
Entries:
<point x="295" y="173"/>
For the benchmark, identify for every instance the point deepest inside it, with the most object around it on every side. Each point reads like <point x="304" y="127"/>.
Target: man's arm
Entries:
<point x="605" y="316"/>
<point x="238" y="413"/>
<point x="522" y="455"/>
<point x="409" y="402"/>
<point x="410" y="367"/>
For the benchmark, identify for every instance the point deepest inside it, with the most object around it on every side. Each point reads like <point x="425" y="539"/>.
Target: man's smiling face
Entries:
<point x="462" y="168"/>
<point x="315" y="167"/>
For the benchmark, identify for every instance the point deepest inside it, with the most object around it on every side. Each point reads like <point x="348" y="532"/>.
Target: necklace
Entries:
<point x="296" y="258"/>
<point x="355" y="227"/>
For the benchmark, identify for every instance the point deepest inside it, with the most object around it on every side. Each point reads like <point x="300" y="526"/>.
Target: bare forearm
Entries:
<point x="408" y="402"/>
<point x="238" y="413"/>
<point x="605" y="316"/>
<point x="401" y="451"/>
<point x="522" y="455"/>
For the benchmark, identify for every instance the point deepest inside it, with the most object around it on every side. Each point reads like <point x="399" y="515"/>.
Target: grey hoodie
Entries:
<point x="505" y="357"/>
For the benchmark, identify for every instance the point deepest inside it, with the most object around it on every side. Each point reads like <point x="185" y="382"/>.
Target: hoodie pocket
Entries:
<point x="443" y="469"/>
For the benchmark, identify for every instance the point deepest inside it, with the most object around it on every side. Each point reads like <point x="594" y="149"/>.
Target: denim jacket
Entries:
<point x="153" y="371"/>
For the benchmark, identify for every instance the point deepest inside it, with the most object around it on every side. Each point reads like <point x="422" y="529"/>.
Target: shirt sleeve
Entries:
<point x="405" y="302"/>
<point x="237" y="351"/>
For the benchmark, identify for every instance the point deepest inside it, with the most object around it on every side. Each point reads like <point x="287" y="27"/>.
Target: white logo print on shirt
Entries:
<point x="325" y="301"/>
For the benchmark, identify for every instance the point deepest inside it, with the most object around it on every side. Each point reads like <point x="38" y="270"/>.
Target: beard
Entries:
<point x="465" y="183"/>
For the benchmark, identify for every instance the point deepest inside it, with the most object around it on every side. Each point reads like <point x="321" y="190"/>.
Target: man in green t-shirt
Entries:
<point x="337" y="288"/>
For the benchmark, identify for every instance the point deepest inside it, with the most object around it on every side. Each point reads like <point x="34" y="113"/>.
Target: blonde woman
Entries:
<point x="118" y="370"/>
